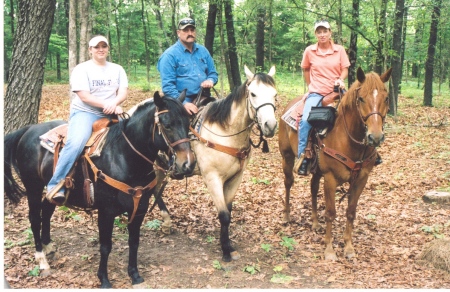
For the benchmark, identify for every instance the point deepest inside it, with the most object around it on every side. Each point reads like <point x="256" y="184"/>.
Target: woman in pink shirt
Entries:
<point x="325" y="64"/>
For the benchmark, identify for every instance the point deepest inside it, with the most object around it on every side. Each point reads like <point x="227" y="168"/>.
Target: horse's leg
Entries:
<point x="288" y="164"/>
<point x="133" y="244"/>
<point x="105" y="228"/>
<point x="353" y="197"/>
<point x="216" y="189"/>
<point x="47" y="244"/>
<point x="315" y="182"/>
<point x="166" y="227"/>
<point x="330" y="185"/>
<point x="38" y="223"/>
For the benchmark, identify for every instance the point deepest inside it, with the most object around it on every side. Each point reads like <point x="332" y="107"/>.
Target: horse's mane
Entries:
<point x="371" y="82"/>
<point x="219" y="111"/>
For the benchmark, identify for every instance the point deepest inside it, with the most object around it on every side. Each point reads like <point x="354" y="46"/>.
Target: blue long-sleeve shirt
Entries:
<point x="180" y="69"/>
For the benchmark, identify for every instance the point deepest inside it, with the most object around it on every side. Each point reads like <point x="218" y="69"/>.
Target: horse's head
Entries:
<point x="372" y="102"/>
<point x="172" y="121"/>
<point x="261" y="96"/>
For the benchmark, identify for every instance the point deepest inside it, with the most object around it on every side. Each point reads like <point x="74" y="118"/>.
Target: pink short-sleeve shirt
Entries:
<point x="324" y="68"/>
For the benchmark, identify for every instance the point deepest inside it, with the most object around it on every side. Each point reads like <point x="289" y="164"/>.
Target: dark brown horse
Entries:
<point x="346" y="154"/>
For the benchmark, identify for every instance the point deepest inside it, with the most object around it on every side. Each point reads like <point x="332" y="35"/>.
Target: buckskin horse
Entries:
<point x="346" y="154"/>
<point x="124" y="171"/>
<point x="222" y="144"/>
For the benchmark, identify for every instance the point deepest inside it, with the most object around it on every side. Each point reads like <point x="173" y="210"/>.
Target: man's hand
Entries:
<point x="191" y="108"/>
<point x="109" y="107"/>
<point x="207" y="84"/>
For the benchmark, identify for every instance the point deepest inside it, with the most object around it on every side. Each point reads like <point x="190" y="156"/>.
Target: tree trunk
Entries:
<point x="260" y="25"/>
<point x="58" y="66"/>
<point x="23" y="95"/>
<point x="157" y="4"/>
<point x="224" y="50"/>
<point x="396" y="61"/>
<point x="211" y="26"/>
<point x="144" y="25"/>
<point x="232" y="49"/>
<point x="269" y="48"/>
<point x="353" y="48"/>
<point x="83" y="14"/>
<point x="429" y="63"/>
<point x="72" y="35"/>
<point x="380" y="57"/>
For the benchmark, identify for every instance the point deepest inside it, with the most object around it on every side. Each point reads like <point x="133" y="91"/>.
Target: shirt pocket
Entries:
<point x="203" y="66"/>
<point x="183" y="69"/>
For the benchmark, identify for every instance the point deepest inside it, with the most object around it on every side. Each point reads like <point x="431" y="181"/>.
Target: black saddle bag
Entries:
<point x="321" y="117"/>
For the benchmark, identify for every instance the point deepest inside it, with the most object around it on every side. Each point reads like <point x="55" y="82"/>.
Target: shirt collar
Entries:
<point x="333" y="46"/>
<point x="184" y="49"/>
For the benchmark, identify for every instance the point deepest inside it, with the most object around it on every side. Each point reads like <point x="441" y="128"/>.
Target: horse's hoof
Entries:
<point x="235" y="255"/>
<point x="349" y="253"/>
<point x="142" y="285"/>
<point x="166" y="229"/>
<point x="286" y="219"/>
<point x="315" y="226"/>
<point x="45" y="272"/>
<point x="331" y="256"/>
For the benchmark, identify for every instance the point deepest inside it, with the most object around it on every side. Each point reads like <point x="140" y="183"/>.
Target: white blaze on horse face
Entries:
<point x="375" y="102"/>
<point x="262" y="97"/>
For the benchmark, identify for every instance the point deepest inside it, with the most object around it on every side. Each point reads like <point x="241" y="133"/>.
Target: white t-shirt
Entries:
<point x="101" y="81"/>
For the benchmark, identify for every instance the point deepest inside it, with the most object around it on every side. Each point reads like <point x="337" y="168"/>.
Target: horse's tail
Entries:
<point x="13" y="190"/>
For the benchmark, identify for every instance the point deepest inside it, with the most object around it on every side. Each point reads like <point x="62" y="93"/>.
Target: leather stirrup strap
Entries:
<point x="135" y="192"/>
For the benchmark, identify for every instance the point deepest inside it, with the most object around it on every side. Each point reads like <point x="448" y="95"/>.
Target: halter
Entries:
<point x="363" y="120"/>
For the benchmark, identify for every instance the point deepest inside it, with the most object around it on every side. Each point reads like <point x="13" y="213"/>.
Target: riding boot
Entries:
<point x="56" y="194"/>
<point x="303" y="170"/>
<point x="378" y="160"/>
<point x="298" y="162"/>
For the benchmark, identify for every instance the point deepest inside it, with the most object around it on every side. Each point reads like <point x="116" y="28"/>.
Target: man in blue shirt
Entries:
<point x="187" y="65"/>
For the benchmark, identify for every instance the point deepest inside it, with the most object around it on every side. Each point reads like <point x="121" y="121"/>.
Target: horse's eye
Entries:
<point x="386" y="100"/>
<point x="253" y="95"/>
<point x="360" y="99"/>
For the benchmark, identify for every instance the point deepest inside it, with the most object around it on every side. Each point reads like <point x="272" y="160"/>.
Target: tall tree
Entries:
<point x="83" y="6"/>
<point x="260" y="25"/>
<point x="211" y="26"/>
<point x="396" y="61"/>
<point x="429" y="63"/>
<point x="23" y="95"/>
<point x="232" y="49"/>
<point x="353" y="48"/>
<point x="147" y="53"/>
<point x="72" y="35"/>
<point x="380" y="57"/>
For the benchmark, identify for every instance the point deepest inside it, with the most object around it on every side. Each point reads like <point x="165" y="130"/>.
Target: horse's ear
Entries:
<point x="182" y="96"/>
<point x="158" y="99"/>
<point x="360" y="75"/>
<point x="271" y="71"/>
<point x="386" y="75"/>
<point x="248" y="73"/>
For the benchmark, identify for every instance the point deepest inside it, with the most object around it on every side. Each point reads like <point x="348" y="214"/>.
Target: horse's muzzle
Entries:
<point x="269" y="128"/>
<point x="375" y="140"/>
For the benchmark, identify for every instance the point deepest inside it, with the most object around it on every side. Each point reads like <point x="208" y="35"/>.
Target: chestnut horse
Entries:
<point x="346" y="154"/>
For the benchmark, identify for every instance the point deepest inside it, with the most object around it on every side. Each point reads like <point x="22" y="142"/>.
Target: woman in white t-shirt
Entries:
<point x="100" y="87"/>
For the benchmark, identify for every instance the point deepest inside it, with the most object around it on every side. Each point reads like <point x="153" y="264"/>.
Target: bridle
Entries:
<point x="363" y="120"/>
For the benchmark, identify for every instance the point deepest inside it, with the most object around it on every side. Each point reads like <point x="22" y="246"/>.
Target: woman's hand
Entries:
<point x="340" y="82"/>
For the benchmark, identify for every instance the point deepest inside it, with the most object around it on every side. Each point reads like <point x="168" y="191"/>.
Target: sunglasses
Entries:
<point x="186" y="21"/>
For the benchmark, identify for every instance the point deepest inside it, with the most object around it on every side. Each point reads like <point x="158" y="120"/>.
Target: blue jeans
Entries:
<point x="80" y="129"/>
<point x="304" y="127"/>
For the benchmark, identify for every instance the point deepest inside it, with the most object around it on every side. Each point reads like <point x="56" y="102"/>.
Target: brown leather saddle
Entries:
<point x="55" y="139"/>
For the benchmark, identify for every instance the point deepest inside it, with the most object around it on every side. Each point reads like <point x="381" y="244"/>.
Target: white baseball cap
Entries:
<point x="95" y="40"/>
<point x="323" y="23"/>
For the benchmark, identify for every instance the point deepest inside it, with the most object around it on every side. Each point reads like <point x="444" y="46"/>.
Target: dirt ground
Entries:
<point x="392" y="227"/>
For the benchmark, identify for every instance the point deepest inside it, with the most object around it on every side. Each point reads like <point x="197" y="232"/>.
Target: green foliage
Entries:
<point x="69" y="214"/>
<point x="279" y="278"/>
<point x="34" y="272"/>
<point x="288" y="243"/>
<point x="435" y="230"/>
<point x="154" y="224"/>
<point x="266" y="247"/>
<point x="210" y="239"/>
<point x="216" y="265"/>
<point x="118" y="222"/>
<point x="251" y="269"/>
<point x="257" y="181"/>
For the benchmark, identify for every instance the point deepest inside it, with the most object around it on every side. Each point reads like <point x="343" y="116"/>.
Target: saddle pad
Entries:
<point x="293" y="114"/>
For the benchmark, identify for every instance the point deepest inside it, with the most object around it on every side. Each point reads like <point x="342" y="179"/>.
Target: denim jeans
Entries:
<point x="304" y="127"/>
<point x="80" y="129"/>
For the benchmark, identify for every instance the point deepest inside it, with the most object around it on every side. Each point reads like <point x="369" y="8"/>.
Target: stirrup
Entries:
<point x="50" y="194"/>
